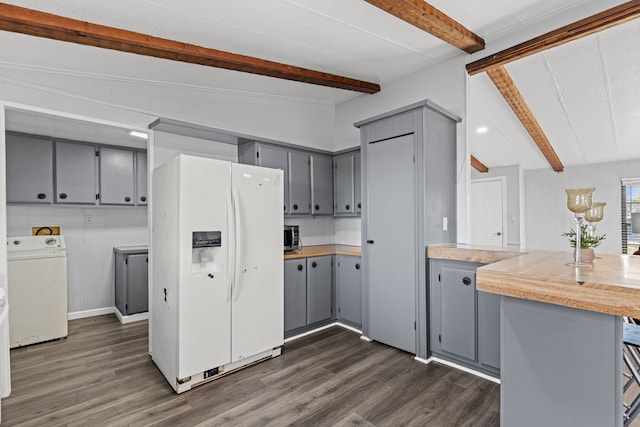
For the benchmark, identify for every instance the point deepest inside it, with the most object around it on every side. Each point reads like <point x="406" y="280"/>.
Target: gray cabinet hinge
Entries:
<point x="126" y="306"/>
<point x="414" y="159"/>
<point x="257" y="154"/>
<point x="97" y="153"/>
<point x="98" y="196"/>
<point x="439" y="338"/>
<point x="414" y="325"/>
<point x="439" y="278"/>
<point x="338" y="309"/>
<point x="126" y="260"/>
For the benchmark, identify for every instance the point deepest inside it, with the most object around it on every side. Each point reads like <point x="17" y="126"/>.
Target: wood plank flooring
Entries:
<point x="102" y="375"/>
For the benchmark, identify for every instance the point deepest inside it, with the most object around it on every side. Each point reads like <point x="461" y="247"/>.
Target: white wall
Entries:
<point x="90" y="260"/>
<point x="446" y="85"/>
<point x="547" y="216"/>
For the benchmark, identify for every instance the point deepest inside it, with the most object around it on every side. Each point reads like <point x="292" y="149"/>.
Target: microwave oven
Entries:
<point x="291" y="237"/>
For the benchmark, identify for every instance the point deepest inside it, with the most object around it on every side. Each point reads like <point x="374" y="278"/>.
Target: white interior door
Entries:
<point x="487" y="212"/>
<point x="392" y="255"/>
<point x="257" y="313"/>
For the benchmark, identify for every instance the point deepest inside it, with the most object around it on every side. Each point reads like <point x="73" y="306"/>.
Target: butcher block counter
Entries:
<point x="319" y="250"/>
<point x="561" y="331"/>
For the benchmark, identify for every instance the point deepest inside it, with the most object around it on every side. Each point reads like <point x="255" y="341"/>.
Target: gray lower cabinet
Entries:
<point x="295" y="294"/>
<point x="131" y="280"/>
<point x="321" y="184"/>
<point x="116" y="176"/>
<point x="308" y="293"/>
<point x="142" y="192"/>
<point x="29" y="169"/>
<point x="319" y="299"/>
<point x="464" y="324"/>
<point x="299" y="184"/>
<point x="75" y="173"/>
<point x="349" y="289"/>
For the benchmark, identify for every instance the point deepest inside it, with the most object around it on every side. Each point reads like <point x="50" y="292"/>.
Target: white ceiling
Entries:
<point x="584" y="94"/>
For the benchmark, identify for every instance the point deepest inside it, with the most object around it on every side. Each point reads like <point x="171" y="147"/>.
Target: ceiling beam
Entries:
<point x="587" y="26"/>
<point x="501" y="78"/>
<point x="426" y="17"/>
<point x="478" y="165"/>
<point x="40" y="24"/>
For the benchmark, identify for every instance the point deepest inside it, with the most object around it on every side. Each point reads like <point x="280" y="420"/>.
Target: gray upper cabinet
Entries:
<point x="142" y="193"/>
<point x="299" y="183"/>
<point x="343" y="169"/>
<point x="321" y="184"/>
<point x="75" y="173"/>
<point x="295" y="294"/>
<point x="255" y="153"/>
<point x="116" y="176"/>
<point x="349" y="289"/>
<point x="318" y="289"/>
<point x="29" y="169"/>
<point x="357" y="182"/>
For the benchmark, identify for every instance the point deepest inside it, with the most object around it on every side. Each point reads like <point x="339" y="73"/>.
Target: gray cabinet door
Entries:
<point x="343" y="181"/>
<point x="349" y="288"/>
<point x="458" y="312"/>
<point x="137" y="284"/>
<point x="392" y="264"/>
<point x="142" y="193"/>
<point x="295" y="293"/>
<point x="489" y="329"/>
<point x="116" y="176"/>
<point x="357" y="183"/>
<point x="318" y="289"/>
<point x="29" y="169"/>
<point x="321" y="185"/>
<point x="75" y="173"/>
<point x="276" y="158"/>
<point x="299" y="184"/>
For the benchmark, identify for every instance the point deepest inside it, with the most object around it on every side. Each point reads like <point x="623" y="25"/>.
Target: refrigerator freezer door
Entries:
<point x="258" y="295"/>
<point x="204" y="314"/>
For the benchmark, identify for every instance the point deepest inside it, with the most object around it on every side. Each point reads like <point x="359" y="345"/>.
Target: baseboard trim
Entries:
<point x="130" y="318"/>
<point x="90" y="313"/>
<point x="462" y="368"/>
<point x="313" y="331"/>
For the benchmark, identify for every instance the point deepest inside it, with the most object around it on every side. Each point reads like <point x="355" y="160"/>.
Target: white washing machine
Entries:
<point x="37" y="289"/>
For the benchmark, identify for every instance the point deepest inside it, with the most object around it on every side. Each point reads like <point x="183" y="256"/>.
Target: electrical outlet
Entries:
<point x="445" y="223"/>
<point x="88" y="219"/>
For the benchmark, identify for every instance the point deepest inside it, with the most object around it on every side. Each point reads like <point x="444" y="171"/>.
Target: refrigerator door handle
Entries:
<point x="231" y="253"/>
<point x="238" y="249"/>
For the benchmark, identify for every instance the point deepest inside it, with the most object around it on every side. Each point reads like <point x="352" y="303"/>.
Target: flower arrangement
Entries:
<point x="586" y="241"/>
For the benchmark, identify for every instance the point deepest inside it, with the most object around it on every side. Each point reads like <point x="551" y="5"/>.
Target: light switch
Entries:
<point x="445" y="223"/>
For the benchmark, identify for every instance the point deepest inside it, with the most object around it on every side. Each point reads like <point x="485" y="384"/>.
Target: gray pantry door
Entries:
<point x="392" y="255"/>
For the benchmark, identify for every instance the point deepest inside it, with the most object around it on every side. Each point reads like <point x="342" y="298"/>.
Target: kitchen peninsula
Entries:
<point x="561" y="332"/>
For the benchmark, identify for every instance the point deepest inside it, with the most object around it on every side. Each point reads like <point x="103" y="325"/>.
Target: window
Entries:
<point x="630" y="215"/>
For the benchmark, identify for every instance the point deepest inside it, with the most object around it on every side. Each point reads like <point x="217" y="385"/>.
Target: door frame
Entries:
<point x="503" y="181"/>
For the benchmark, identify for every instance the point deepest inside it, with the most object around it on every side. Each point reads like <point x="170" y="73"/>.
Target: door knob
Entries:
<point x="357" y="266"/>
<point x="127" y="199"/>
<point x="466" y="281"/>
<point x="314" y="264"/>
<point x="317" y="207"/>
<point x="42" y="196"/>
<point x="300" y="267"/>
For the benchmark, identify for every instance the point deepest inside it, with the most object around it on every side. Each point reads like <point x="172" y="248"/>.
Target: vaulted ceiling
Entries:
<point x="584" y="94"/>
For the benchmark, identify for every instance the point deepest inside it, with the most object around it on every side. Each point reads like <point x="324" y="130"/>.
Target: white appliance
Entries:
<point x="217" y="291"/>
<point x="37" y="289"/>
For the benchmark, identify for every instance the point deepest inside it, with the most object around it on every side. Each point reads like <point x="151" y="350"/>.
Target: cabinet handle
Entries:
<point x="143" y="199"/>
<point x="466" y="281"/>
<point x="63" y="195"/>
<point x="295" y="207"/>
<point x="348" y="207"/>
<point x="127" y="199"/>
<point x="314" y="264"/>
<point x="42" y="196"/>
<point x="210" y="276"/>
<point x="317" y="207"/>
<point x="359" y="205"/>
<point x="285" y="208"/>
<point x="300" y="267"/>
<point x="357" y="266"/>
<point x="370" y="242"/>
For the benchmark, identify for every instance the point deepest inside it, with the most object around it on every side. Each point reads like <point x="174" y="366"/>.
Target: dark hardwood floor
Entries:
<point x="102" y="375"/>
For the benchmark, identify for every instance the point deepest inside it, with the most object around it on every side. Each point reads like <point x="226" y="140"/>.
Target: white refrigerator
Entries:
<point x="217" y="290"/>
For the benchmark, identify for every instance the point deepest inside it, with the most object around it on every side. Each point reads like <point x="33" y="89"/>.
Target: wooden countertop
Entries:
<point x="319" y="250"/>
<point x="468" y="253"/>
<point x="611" y="286"/>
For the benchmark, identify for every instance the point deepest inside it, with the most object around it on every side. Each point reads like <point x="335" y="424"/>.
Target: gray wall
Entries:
<point x="513" y="175"/>
<point x="546" y="210"/>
